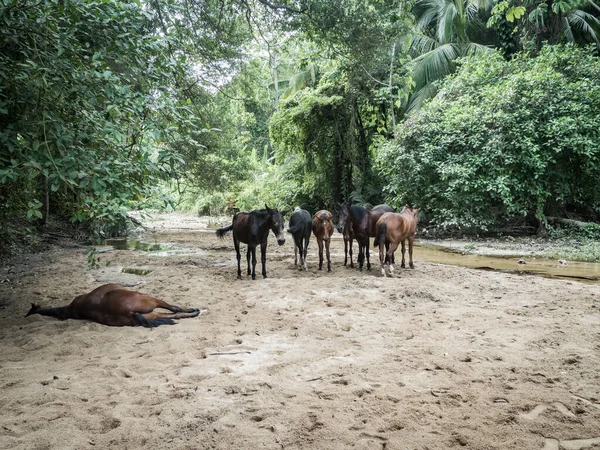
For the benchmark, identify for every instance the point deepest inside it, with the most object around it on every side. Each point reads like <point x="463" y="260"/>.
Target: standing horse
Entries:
<point x="395" y="228"/>
<point x="322" y="227"/>
<point x="359" y="223"/>
<point x="113" y="305"/>
<point x="253" y="229"/>
<point x="300" y="227"/>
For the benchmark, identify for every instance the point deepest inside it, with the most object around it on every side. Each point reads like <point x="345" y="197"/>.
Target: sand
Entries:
<point x="436" y="357"/>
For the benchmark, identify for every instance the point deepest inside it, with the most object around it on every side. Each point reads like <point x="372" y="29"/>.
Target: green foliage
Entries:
<point x="92" y="261"/>
<point x="503" y="140"/>
<point x="84" y="108"/>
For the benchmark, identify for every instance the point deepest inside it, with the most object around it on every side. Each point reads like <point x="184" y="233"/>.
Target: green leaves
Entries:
<point x="503" y="140"/>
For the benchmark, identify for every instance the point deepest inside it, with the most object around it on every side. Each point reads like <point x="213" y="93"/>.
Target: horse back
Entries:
<point x="300" y="224"/>
<point x="322" y="224"/>
<point x="399" y="226"/>
<point x="251" y="228"/>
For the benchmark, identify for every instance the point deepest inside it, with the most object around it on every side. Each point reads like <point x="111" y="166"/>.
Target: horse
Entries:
<point x="253" y="229"/>
<point x="359" y="223"/>
<point x="322" y="227"/>
<point x="115" y="306"/>
<point x="395" y="228"/>
<point x="300" y="227"/>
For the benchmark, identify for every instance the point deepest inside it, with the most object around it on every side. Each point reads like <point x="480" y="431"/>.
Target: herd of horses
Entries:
<point x="388" y="227"/>
<point x="113" y="305"/>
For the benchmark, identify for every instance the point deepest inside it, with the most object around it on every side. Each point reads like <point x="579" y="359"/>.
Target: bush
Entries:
<point x="503" y="139"/>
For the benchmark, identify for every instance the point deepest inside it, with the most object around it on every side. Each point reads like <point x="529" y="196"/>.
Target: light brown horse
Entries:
<point x="113" y="305"/>
<point x="322" y="227"/>
<point x="393" y="229"/>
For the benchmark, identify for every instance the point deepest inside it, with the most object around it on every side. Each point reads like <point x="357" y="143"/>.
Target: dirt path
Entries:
<point x="435" y="358"/>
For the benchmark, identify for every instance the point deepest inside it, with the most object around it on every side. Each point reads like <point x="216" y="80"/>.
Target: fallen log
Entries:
<point x="572" y="222"/>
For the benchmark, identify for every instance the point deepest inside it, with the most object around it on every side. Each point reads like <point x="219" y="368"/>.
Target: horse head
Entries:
<point x="343" y="217"/>
<point x="276" y="219"/>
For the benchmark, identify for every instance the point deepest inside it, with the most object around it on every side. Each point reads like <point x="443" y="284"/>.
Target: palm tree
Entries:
<point x="441" y="36"/>
<point x="565" y="21"/>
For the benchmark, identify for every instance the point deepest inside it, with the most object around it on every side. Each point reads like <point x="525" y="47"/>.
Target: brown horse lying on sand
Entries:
<point x="395" y="228"/>
<point x="113" y="305"/>
<point x="322" y="228"/>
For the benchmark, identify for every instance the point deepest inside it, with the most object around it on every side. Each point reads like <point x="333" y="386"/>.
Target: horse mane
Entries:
<point x="357" y="212"/>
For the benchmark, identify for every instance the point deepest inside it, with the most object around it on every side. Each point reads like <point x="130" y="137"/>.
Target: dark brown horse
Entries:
<point x="113" y="305"/>
<point x="393" y="229"/>
<point x="356" y="222"/>
<point x="322" y="227"/>
<point x="300" y="227"/>
<point x="253" y="229"/>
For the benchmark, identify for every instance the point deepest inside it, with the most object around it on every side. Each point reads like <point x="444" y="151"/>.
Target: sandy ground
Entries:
<point x="437" y="357"/>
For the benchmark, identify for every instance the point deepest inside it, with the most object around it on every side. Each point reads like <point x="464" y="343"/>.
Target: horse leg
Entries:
<point x="263" y="258"/>
<point x="320" y="244"/>
<point x="295" y="255"/>
<point x="390" y="255"/>
<point x="403" y="250"/>
<point x="327" y="243"/>
<point x="236" y="244"/>
<point x="345" y="250"/>
<point x="382" y="257"/>
<point x="152" y="319"/>
<point x="411" y="240"/>
<point x="305" y="253"/>
<point x="361" y="255"/>
<point x="350" y="253"/>
<point x="173" y="308"/>
<point x="248" y="255"/>
<point x="254" y="262"/>
<point x="367" y="253"/>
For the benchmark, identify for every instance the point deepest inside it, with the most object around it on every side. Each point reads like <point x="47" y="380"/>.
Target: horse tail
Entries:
<point x="381" y="234"/>
<point x="296" y="228"/>
<point x="223" y="231"/>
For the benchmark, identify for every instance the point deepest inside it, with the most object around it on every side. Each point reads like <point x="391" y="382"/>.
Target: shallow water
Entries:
<point x="581" y="271"/>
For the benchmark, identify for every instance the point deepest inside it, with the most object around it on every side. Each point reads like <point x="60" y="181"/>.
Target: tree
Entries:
<point x="442" y="35"/>
<point x="504" y="140"/>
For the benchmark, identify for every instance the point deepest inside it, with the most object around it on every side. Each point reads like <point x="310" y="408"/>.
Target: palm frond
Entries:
<point x="422" y="44"/>
<point x="472" y="48"/>
<point x="427" y="15"/>
<point x="417" y="98"/>
<point x="567" y="30"/>
<point x="446" y="22"/>
<point x="435" y="64"/>
<point x="587" y="24"/>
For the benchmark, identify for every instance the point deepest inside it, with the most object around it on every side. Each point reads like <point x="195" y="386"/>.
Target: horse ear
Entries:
<point x="269" y="210"/>
<point x="284" y="212"/>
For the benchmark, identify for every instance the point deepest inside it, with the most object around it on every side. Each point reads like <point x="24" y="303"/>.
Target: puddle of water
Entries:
<point x="134" y="244"/>
<point x="581" y="271"/>
<point x="135" y="271"/>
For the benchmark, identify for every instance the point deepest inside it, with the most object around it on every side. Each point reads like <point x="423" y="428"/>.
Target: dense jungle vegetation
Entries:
<point x="485" y="114"/>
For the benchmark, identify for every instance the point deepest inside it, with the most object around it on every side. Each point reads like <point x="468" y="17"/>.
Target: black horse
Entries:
<point x="301" y="229"/>
<point x="253" y="229"/>
<point x="357" y="222"/>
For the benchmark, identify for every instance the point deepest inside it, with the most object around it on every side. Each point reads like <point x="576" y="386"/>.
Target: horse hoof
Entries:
<point x="412" y="266"/>
<point x="239" y="277"/>
<point x="254" y="277"/>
